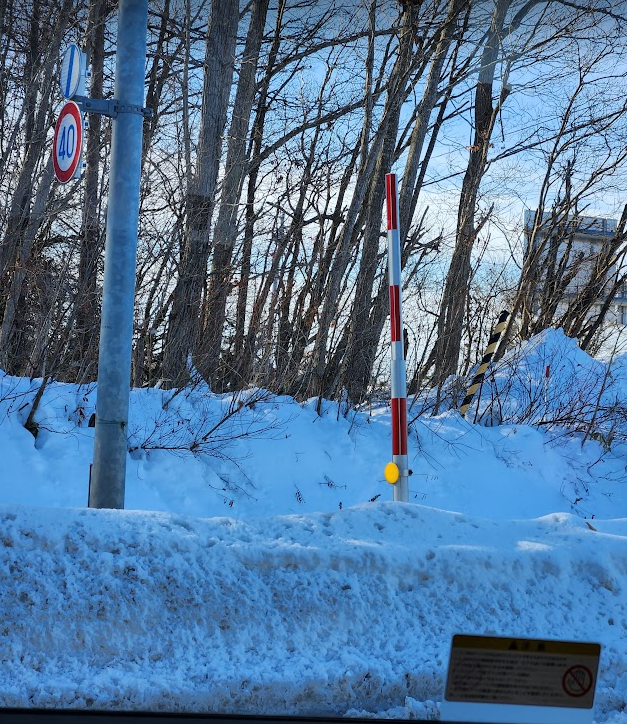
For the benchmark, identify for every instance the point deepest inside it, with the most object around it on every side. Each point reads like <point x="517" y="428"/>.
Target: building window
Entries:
<point x="623" y="315"/>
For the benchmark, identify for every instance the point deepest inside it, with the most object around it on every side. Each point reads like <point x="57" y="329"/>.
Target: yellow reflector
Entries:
<point x="392" y="473"/>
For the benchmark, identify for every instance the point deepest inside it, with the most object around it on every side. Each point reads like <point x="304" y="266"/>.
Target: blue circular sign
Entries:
<point x="70" y="71"/>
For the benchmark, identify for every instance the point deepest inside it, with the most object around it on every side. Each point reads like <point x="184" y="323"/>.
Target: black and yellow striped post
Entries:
<point x="493" y="343"/>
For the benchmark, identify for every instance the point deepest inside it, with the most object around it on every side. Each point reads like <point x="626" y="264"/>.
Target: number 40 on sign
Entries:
<point x="68" y="143"/>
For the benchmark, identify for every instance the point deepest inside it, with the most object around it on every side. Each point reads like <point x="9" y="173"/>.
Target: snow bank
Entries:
<point x="315" y="596"/>
<point x="318" y="614"/>
<point x="274" y="456"/>
<point x="575" y="395"/>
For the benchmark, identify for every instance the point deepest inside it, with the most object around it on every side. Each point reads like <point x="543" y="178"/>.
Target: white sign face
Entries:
<point x="68" y="142"/>
<point x="71" y="71"/>
<point x="521" y="680"/>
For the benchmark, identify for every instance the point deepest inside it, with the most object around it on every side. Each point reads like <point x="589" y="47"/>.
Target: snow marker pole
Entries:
<point x="397" y="471"/>
<point x="493" y="343"/>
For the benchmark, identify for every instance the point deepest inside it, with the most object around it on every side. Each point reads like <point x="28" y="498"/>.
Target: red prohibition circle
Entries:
<point x="577" y="681"/>
<point x="68" y="142"/>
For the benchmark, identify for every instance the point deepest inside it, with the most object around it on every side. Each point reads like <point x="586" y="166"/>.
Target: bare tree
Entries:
<point x="46" y="25"/>
<point x="368" y="314"/>
<point x="450" y="325"/>
<point x="225" y="231"/>
<point x="582" y="156"/>
<point x="85" y="352"/>
<point x="219" y="62"/>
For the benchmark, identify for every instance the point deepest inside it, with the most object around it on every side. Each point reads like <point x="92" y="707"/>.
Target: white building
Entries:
<point x="587" y="235"/>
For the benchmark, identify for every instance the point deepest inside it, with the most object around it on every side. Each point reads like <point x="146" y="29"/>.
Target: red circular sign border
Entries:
<point x="71" y="108"/>
<point x="570" y="670"/>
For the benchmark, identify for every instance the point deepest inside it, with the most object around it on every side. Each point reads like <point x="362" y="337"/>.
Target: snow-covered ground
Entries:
<point x="264" y="569"/>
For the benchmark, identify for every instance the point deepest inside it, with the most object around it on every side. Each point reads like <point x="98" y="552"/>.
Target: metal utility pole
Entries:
<point x="108" y="471"/>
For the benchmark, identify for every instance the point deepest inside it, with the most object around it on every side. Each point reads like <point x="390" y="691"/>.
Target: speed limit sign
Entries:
<point x="68" y="142"/>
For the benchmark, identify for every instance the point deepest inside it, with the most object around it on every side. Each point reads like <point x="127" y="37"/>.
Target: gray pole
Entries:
<point x="116" y="331"/>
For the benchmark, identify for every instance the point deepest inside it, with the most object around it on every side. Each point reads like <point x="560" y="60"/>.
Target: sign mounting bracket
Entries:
<point x="109" y="107"/>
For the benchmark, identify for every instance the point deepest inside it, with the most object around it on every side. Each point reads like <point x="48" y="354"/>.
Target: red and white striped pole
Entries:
<point x="397" y="471"/>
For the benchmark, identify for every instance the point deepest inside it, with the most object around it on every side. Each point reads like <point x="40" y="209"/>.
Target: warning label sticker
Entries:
<point x="530" y="672"/>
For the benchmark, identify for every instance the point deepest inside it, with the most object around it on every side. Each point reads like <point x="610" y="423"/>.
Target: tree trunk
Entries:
<point x="408" y="197"/>
<point x="21" y="229"/>
<point x="365" y="332"/>
<point x="241" y="350"/>
<point x="20" y="201"/>
<point x="225" y="232"/>
<point x="322" y="377"/>
<point x="183" y="325"/>
<point x="85" y="352"/>
<point x="9" y="357"/>
<point x="450" y="326"/>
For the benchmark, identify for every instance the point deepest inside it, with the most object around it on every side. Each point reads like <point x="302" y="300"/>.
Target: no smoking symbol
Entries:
<point x="577" y="681"/>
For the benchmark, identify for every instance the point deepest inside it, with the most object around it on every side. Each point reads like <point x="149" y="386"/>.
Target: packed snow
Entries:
<point x="261" y="566"/>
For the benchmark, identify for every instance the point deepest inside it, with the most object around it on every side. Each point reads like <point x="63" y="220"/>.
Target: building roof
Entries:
<point x="588" y="225"/>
